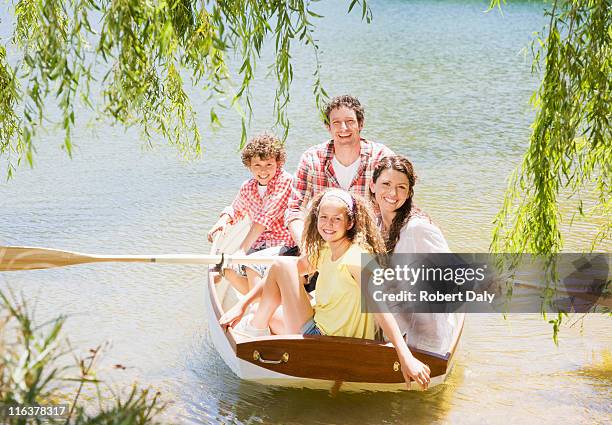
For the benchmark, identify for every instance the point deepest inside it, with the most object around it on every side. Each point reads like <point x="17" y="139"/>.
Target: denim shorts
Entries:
<point x="261" y="269"/>
<point x="311" y="328"/>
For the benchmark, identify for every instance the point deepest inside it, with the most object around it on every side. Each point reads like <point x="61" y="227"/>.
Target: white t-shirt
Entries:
<point x="345" y="175"/>
<point x="262" y="190"/>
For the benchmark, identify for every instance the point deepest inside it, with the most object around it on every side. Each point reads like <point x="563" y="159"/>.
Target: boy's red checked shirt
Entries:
<point x="268" y="211"/>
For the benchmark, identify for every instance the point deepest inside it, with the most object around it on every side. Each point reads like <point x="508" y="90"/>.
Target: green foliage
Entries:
<point x="30" y="374"/>
<point x="138" y="408"/>
<point x="571" y="144"/>
<point x="12" y="140"/>
<point x="139" y="54"/>
<point x="570" y="148"/>
<point x="27" y="373"/>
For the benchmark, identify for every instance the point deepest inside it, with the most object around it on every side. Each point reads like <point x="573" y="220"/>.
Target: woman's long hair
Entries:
<point x="404" y="213"/>
<point x="364" y="231"/>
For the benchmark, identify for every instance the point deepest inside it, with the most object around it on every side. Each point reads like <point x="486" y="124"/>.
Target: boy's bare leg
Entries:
<point x="253" y="278"/>
<point x="239" y="282"/>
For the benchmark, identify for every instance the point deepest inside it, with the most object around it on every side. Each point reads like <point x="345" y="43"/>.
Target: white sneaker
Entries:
<point x="244" y="328"/>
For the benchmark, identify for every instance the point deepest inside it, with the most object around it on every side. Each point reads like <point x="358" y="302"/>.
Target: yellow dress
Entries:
<point x="338" y="309"/>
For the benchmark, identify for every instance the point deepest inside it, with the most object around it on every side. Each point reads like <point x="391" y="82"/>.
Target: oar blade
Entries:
<point x="31" y="258"/>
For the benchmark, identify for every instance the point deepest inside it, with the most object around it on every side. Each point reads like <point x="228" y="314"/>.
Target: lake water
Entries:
<point x="443" y="83"/>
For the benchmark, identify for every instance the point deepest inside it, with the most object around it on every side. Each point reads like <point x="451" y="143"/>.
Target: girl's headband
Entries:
<point x="340" y="194"/>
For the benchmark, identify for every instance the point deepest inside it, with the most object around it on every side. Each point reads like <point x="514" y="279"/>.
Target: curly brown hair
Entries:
<point x="364" y="231"/>
<point x="264" y="146"/>
<point x="351" y="102"/>
<point x="407" y="210"/>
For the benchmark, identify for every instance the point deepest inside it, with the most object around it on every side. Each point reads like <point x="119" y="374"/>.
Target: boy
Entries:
<point x="263" y="198"/>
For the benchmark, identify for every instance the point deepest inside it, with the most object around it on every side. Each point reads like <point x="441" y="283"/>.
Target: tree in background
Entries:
<point x="570" y="149"/>
<point x="139" y="54"/>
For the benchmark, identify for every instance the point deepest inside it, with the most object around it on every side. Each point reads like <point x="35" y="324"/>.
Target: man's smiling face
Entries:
<point x="344" y="127"/>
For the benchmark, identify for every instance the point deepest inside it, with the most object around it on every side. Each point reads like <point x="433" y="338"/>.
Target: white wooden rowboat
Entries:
<point x="318" y="362"/>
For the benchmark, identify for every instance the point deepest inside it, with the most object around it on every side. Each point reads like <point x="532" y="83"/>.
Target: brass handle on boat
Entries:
<point x="283" y="359"/>
<point x="396" y="366"/>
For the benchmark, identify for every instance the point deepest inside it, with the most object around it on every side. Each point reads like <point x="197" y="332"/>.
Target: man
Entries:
<point x="346" y="161"/>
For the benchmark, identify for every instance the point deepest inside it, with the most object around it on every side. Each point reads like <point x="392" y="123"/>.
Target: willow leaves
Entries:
<point x="143" y="57"/>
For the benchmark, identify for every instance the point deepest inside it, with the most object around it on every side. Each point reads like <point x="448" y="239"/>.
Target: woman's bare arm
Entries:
<point x="410" y="365"/>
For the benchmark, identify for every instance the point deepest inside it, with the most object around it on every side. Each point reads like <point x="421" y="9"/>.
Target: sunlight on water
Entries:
<point x="444" y="84"/>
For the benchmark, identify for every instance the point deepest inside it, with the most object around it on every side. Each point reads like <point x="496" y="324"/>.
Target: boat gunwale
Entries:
<point x="243" y="349"/>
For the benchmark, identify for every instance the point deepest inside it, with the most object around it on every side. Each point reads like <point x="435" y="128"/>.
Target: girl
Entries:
<point x="408" y="230"/>
<point x="338" y="229"/>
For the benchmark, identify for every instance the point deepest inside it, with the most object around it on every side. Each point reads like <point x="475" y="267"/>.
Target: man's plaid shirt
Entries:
<point x="268" y="211"/>
<point x="316" y="173"/>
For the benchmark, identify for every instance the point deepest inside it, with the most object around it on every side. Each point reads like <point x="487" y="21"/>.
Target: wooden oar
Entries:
<point x="14" y="258"/>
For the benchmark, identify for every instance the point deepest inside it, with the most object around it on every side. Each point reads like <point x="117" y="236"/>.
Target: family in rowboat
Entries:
<point x="349" y="196"/>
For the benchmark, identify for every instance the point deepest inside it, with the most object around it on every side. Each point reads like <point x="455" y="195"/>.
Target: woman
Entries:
<point x="406" y="230"/>
<point x="405" y="227"/>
